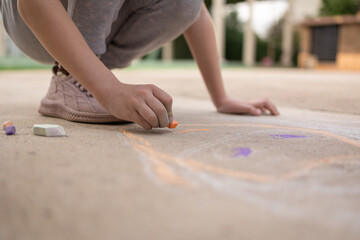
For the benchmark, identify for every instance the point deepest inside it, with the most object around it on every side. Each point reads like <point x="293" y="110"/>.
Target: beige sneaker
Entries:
<point x="68" y="99"/>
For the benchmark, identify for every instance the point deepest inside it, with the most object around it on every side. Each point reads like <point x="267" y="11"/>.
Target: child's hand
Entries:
<point x="255" y="108"/>
<point x="146" y="105"/>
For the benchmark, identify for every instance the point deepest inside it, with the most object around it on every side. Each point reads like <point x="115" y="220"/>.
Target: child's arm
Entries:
<point x="201" y="39"/>
<point x="146" y="105"/>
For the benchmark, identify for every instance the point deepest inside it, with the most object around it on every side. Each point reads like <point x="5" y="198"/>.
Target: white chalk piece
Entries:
<point x="48" y="130"/>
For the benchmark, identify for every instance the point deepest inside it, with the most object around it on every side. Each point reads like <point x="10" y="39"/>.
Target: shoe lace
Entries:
<point x="81" y="87"/>
<point x="58" y="68"/>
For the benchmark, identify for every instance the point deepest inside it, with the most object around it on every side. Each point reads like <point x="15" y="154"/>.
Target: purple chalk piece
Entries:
<point x="245" y="152"/>
<point x="10" y="130"/>
<point x="286" y="136"/>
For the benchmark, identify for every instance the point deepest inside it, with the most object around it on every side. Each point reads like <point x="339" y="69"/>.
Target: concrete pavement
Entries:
<point x="216" y="176"/>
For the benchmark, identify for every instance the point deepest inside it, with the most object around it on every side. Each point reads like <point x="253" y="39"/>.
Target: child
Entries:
<point x="87" y="38"/>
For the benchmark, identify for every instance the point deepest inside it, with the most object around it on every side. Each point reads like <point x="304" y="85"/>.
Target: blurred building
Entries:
<point x="330" y="43"/>
<point x="303" y="9"/>
<point x="260" y="16"/>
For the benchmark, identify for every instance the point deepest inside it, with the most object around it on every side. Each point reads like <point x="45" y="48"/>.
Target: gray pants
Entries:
<point x="118" y="31"/>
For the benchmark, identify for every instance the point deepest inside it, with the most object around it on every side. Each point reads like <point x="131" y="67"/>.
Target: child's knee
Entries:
<point x="187" y="10"/>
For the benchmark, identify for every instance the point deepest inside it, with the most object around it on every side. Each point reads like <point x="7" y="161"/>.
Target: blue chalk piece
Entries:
<point x="10" y="130"/>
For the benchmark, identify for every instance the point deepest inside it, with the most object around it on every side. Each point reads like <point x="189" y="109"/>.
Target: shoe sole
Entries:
<point x="58" y="110"/>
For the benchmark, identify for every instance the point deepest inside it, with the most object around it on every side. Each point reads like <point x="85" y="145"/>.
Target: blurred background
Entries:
<point x="316" y="34"/>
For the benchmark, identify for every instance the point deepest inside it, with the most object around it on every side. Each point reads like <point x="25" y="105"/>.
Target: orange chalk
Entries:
<point x="7" y="124"/>
<point x="173" y="124"/>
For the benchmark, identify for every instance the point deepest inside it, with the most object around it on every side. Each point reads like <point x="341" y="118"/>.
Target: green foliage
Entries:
<point x="261" y="48"/>
<point x="181" y="49"/>
<point x="234" y="37"/>
<point x="208" y="3"/>
<point x="275" y="42"/>
<point x="339" y="7"/>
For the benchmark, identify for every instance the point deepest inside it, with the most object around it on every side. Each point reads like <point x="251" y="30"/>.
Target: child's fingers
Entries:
<point x="254" y="111"/>
<point x="170" y="116"/>
<point x="266" y="104"/>
<point x="142" y="122"/>
<point x="271" y="107"/>
<point x="248" y="109"/>
<point x="159" y="109"/>
<point x="166" y="100"/>
<point x="147" y="115"/>
<point x="238" y="107"/>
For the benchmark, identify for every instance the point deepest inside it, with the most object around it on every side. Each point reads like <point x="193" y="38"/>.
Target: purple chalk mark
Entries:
<point x="245" y="152"/>
<point x="286" y="136"/>
<point x="10" y="130"/>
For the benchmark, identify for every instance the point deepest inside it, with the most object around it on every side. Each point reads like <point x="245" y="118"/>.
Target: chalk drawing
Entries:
<point x="314" y="131"/>
<point x="245" y="152"/>
<point x="143" y="146"/>
<point x="185" y="171"/>
<point x="193" y="130"/>
<point x="286" y="136"/>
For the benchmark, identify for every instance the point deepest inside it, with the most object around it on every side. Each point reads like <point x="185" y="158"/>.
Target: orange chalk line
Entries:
<point x="165" y="173"/>
<point x="145" y="147"/>
<point x="193" y="130"/>
<point x="192" y="164"/>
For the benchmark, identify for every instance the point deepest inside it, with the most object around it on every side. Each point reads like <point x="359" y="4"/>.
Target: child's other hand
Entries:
<point x="146" y="105"/>
<point x="255" y="108"/>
